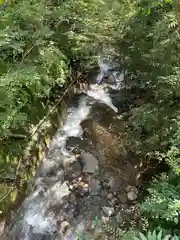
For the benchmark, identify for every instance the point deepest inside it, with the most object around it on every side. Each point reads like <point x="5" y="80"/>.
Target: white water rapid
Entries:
<point x="51" y="202"/>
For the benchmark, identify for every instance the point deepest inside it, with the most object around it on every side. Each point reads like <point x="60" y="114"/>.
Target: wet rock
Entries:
<point x="110" y="196"/>
<point x="64" y="226"/>
<point x="73" y="171"/>
<point x="132" y="195"/>
<point x="90" y="163"/>
<point x="59" y="191"/>
<point x="94" y="187"/>
<point x="109" y="183"/>
<point x="109" y="211"/>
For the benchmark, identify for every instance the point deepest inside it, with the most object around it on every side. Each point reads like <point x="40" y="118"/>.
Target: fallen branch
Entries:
<point x="6" y="180"/>
<point x="21" y="136"/>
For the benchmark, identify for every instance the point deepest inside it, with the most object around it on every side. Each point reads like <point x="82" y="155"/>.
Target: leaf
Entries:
<point x="154" y="234"/>
<point x="159" y="236"/>
<point x="135" y="238"/>
<point x="167" y="237"/>
<point x="13" y="195"/>
<point x="142" y="236"/>
<point x="175" y="238"/>
<point x="149" y="235"/>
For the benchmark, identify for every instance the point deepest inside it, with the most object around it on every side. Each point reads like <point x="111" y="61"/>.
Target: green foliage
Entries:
<point x="173" y="154"/>
<point x="163" y="203"/>
<point x="40" y="43"/>
<point x="155" y="236"/>
<point x="149" y="46"/>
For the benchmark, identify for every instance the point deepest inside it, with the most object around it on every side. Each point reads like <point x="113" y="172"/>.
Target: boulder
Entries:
<point x="90" y="163"/>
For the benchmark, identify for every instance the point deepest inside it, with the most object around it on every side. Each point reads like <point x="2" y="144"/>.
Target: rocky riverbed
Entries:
<point x="87" y="178"/>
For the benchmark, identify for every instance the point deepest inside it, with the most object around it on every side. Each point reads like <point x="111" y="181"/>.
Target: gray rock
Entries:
<point x="59" y="191"/>
<point x="132" y="195"/>
<point x="109" y="183"/>
<point x="94" y="186"/>
<point x="132" y="192"/>
<point x="109" y="211"/>
<point x="109" y="196"/>
<point x="89" y="161"/>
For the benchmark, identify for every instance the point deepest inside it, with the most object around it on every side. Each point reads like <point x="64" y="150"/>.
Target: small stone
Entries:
<point x="109" y="211"/>
<point x="64" y="226"/>
<point x="79" y="179"/>
<point x="114" y="201"/>
<point x="109" y="196"/>
<point x="132" y="196"/>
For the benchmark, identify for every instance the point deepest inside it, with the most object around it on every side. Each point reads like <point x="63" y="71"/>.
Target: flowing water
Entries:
<point x="69" y="189"/>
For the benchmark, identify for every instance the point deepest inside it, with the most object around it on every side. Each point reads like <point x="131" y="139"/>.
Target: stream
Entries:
<point x="74" y="185"/>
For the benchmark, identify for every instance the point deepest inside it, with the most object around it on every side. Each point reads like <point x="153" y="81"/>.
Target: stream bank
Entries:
<point x="87" y="173"/>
